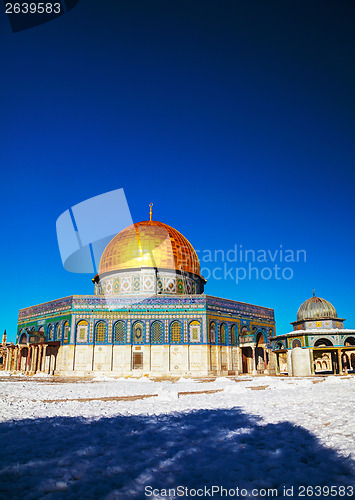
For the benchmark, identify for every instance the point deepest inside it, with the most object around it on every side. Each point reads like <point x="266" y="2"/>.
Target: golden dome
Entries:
<point x="149" y="244"/>
<point x="316" y="308"/>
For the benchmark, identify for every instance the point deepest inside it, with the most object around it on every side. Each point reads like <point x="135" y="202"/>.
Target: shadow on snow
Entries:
<point x="75" y="458"/>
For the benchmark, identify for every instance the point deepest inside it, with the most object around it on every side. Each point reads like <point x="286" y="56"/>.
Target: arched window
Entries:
<point x="23" y="338"/>
<point x="279" y="345"/>
<point x="56" y="332"/>
<point x="323" y="343"/>
<point x="100" y="331"/>
<point x="156" y="333"/>
<point x="119" y="332"/>
<point x="213" y="332"/>
<point x="233" y="335"/>
<point x="296" y="343"/>
<point x="50" y="332"/>
<point x="176" y="332"/>
<point x="138" y="331"/>
<point x="66" y="332"/>
<point x="195" y="331"/>
<point x="260" y="340"/>
<point x="223" y="333"/>
<point x="82" y="331"/>
<point x="349" y="341"/>
<point x="244" y="330"/>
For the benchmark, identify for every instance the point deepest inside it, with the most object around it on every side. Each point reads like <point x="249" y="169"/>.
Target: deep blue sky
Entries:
<point x="235" y="118"/>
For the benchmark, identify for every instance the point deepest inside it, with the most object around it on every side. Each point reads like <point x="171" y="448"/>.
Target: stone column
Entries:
<point x="16" y="357"/>
<point x="33" y="349"/>
<point x="35" y="357"/>
<point x="254" y="362"/>
<point x="39" y="360"/>
<point x="27" y="367"/>
<point x="340" y="362"/>
<point x="44" y="356"/>
<point x="311" y="359"/>
<point x="19" y="359"/>
<point x="7" y="359"/>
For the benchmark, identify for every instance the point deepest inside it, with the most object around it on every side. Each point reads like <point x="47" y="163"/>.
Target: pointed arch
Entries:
<point x="176" y="332"/>
<point x="100" y="332"/>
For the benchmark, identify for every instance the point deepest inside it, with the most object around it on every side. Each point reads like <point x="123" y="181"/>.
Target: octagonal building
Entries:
<point x="149" y="315"/>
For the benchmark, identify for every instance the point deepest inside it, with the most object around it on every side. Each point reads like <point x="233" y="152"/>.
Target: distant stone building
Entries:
<point x="149" y="316"/>
<point x="318" y="344"/>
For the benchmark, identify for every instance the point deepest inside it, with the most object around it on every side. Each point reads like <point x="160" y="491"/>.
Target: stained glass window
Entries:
<point x="176" y="332"/>
<point x="100" y="332"/>
<point x="82" y="331"/>
<point x="213" y="332"/>
<point x="195" y="331"/>
<point x="156" y="332"/>
<point x="138" y="333"/>
<point x="118" y="334"/>
<point x="223" y="333"/>
<point x="66" y="332"/>
<point x="233" y="335"/>
<point x="50" y="332"/>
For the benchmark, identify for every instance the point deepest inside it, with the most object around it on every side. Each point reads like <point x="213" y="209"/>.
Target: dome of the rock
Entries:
<point x="149" y="244"/>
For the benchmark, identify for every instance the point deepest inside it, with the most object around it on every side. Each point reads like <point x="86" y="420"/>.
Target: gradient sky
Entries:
<point x="235" y="118"/>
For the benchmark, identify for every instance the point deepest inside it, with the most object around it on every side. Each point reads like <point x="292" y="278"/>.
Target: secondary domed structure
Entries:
<point x="316" y="312"/>
<point x="316" y="308"/>
<point x="319" y="343"/>
<point x="149" y="257"/>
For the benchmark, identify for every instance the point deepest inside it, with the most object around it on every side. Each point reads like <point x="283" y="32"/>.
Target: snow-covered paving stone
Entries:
<point x="264" y="432"/>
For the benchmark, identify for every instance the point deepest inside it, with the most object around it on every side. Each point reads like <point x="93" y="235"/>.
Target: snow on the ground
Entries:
<point x="263" y="432"/>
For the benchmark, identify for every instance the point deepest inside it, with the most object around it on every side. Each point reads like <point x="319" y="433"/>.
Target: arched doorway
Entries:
<point x="247" y="359"/>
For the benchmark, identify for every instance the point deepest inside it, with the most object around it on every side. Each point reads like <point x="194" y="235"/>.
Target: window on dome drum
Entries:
<point x="82" y="331"/>
<point x="296" y="343"/>
<point x="176" y="332"/>
<point x="100" y="332"/>
<point x="118" y="332"/>
<point x="156" y="333"/>
<point x="223" y="333"/>
<point x="233" y="335"/>
<point x="195" y="331"/>
<point x="66" y="332"/>
<point x="138" y="331"/>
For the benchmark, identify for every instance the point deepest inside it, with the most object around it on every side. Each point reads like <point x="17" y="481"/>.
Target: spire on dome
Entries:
<point x="150" y="211"/>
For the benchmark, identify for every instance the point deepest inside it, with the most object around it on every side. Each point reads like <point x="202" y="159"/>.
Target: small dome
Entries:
<point x="316" y="308"/>
<point x="149" y="244"/>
